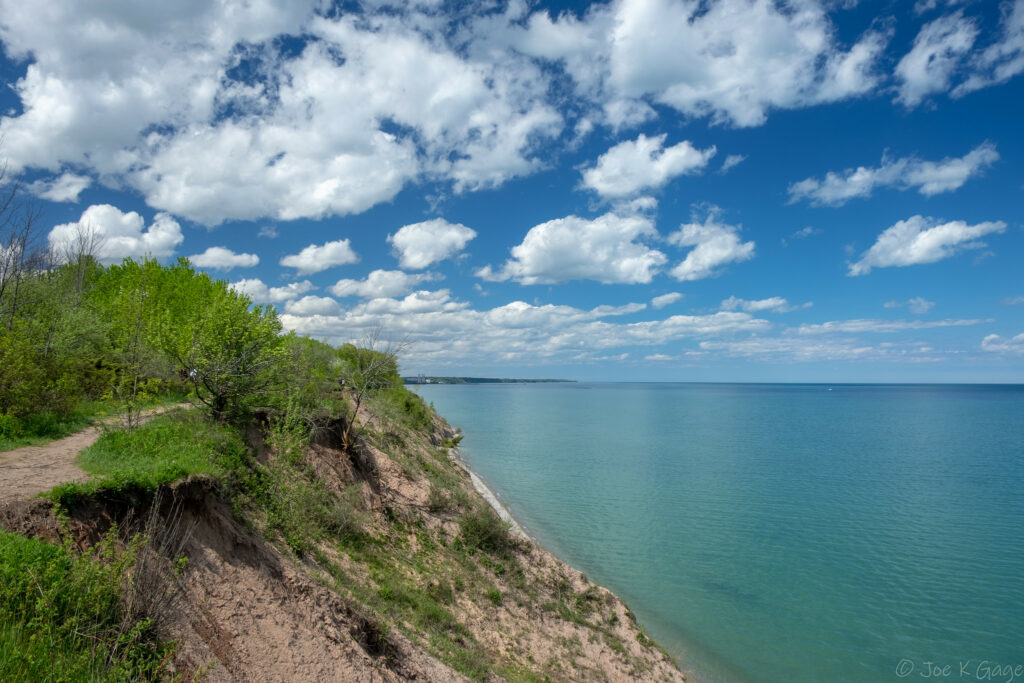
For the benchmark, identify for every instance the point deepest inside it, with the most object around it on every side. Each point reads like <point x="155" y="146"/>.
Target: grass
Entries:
<point x="35" y="430"/>
<point x="60" y="615"/>
<point x="167" y="448"/>
<point x="42" y="428"/>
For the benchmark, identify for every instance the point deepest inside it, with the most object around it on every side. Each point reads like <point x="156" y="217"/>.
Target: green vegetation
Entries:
<point x="164" y="450"/>
<point x="61" y="615"/>
<point x="292" y="433"/>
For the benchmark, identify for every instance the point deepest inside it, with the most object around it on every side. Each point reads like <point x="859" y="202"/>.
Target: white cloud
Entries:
<point x="381" y="284"/>
<point x="421" y="244"/>
<point x="66" y="188"/>
<point x="223" y="259"/>
<point x="731" y="161"/>
<point x="929" y="177"/>
<point x="922" y="240"/>
<point x="1013" y="300"/>
<point x="938" y="49"/>
<point x="1002" y="60"/>
<point x="917" y="304"/>
<point x="316" y="258"/>
<point x="607" y="249"/>
<point x="643" y="164"/>
<point x="256" y="290"/>
<point x="997" y="344"/>
<point x="794" y="348"/>
<point x="732" y="60"/>
<point x="445" y="330"/>
<point x="666" y="299"/>
<point x="872" y="325"/>
<point x="312" y="305"/>
<point x="267" y="231"/>
<point x="776" y="304"/>
<point x="373" y="101"/>
<point x="714" y="244"/>
<point x="122" y="235"/>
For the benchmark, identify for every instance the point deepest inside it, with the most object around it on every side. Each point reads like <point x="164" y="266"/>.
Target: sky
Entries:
<point x="650" y="190"/>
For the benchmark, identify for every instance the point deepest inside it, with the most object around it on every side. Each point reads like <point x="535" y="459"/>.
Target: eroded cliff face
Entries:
<point x="416" y="584"/>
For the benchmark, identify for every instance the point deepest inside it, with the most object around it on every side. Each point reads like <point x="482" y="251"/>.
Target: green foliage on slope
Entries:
<point x="61" y="617"/>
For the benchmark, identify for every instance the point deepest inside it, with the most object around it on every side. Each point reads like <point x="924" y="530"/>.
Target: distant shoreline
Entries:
<point x="422" y="379"/>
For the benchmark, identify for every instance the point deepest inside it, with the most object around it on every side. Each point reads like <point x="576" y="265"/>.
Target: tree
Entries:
<point x="366" y="369"/>
<point x="125" y="294"/>
<point x="231" y="352"/>
<point x="22" y="252"/>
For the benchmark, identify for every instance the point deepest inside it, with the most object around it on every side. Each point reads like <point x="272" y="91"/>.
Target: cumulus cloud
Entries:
<point x="732" y="60"/>
<point x="997" y="344"/>
<point x="316" y="258"/>
<point x="917" y="304"/>
<point x="210" y="116"/>
<point x="666" y="299"/>
<point x="65" y="188"/>
<point x="938" y="49"/>
<point x="608" y="249"/>
<point x="928" y="177"/>
<point x="312" y="305"/>
<point x="446" y="330"/>
<point x="775" y="304"/>
<point x="922" y="240"/>
<point x="421" y="244"/>
<point x="221" y="258"/>
<point x="373" y="100"/>
<point x="643" y="164"/>
<point x="120" y="235"/>
<point x="380" y="284"/>
<point x="714" y="244"/>
<point x="259" y="292"/>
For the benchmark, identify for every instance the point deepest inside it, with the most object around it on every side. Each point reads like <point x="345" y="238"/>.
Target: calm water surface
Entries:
<point x="777" y="532"/>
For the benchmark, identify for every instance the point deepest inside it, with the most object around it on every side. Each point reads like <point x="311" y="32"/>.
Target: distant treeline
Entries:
<point x="477" y="380"/>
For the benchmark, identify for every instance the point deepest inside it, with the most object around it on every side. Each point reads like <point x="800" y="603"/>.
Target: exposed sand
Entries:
<point x="245" y="612"/>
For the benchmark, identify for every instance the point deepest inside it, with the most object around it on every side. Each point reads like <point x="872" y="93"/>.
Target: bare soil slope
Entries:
<point x="247" y="609"/>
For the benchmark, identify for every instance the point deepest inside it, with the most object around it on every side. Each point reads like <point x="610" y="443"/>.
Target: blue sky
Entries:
<point x="732" y="190"/>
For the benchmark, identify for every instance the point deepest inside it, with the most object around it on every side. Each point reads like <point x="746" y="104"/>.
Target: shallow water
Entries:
<point x="777" y="532"/>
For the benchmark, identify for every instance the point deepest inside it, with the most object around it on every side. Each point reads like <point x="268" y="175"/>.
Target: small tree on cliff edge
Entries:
<point x="365" y="369"/>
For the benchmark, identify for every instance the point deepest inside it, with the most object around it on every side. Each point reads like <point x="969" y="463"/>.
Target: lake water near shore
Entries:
<point x="774" y="532"/>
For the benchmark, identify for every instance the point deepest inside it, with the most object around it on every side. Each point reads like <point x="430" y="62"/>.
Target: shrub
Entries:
<point x="60" y="614"/>
<point x="482" y="528"/>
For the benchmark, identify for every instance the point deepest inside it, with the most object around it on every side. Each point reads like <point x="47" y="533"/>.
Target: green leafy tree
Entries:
<point x="366" y="369"/>
<point x="230" y="351"/>
<point x="126" y="296"/>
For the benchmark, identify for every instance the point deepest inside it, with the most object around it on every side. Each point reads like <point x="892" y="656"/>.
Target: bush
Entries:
<point x="10" y="427"/>
<point x="483" y="529"/>
<point x="60" y="615"/>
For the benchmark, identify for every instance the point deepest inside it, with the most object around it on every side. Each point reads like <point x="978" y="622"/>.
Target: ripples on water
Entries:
<point x="775" y="532"/>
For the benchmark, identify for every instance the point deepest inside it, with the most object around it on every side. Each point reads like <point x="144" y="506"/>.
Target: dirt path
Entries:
<point x="29" y="470"/>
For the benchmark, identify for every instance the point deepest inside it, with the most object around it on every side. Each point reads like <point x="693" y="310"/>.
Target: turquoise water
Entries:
<point x="777" y="532"/>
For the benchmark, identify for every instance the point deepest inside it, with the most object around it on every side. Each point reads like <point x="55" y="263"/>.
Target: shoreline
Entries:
<point x="490" y="496"/>
<point x="455" y="455"/>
